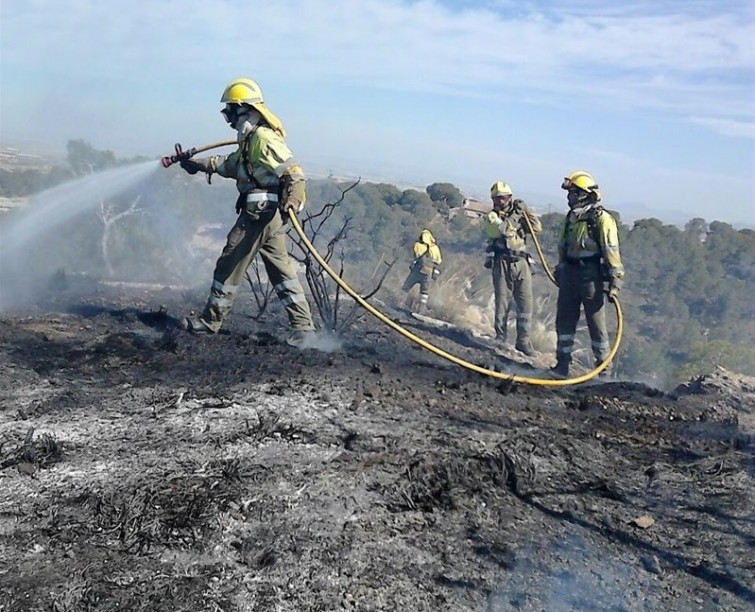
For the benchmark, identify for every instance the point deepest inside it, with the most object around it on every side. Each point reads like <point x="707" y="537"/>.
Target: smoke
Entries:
<point x="36" y="235"/>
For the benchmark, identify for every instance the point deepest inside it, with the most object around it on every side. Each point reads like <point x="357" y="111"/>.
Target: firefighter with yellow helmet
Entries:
<point x="588" y="257"/>
<point x="270" y="182"/>
<point x="424" y="268"/>
<point x="510" y="262"/>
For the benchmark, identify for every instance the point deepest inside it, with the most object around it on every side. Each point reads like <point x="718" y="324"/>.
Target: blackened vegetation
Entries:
<point x="233" y="472"/>
<point x="435" y="482"/>
<point x="35" y="452"/>
<point x="177" y="511"/>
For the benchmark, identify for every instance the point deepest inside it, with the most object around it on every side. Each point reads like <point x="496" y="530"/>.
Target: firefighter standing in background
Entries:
<point x="511" y="263"/>
<point x="426" y="266"/>
<point x="270" y="183"/>
<point x="588" y="256"/>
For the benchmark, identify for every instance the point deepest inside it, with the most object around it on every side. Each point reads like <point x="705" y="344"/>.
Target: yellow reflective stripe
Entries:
<point x="293" y="298"/>
<point x="261" y="197"/>
<point x="291" y="284"/>
<point x="218" y="286"/>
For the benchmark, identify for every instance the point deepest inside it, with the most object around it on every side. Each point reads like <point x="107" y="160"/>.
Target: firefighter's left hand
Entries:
<point x="613" y="293"/>
<point x="494" y="218"/>
<point x="291" y="204"/>
<point x="191" y="166"/>
<point x="521" y="206"/>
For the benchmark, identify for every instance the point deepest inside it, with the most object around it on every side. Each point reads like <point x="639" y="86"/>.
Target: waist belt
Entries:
<point x="261" y="196"/>
<point x="512" y="255"/>
<point x="583" y="261"/>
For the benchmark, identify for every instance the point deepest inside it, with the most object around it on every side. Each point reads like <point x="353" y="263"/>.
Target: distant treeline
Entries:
<point x="688" y="297"/>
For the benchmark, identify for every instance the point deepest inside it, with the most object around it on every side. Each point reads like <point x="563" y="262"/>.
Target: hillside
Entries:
<point x="147" y="469"/>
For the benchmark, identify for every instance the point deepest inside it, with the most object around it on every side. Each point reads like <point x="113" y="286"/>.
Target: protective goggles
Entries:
<point x="231" y="112"/>
<point x="568" y="184"/>
<point x="502" y="197"/>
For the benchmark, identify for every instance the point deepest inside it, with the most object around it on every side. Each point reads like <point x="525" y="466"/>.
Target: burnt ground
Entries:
<point x="147" y="469"/>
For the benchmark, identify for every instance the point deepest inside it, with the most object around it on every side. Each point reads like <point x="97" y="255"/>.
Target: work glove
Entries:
<point x="613" y="291"/>
<point x="557" y="274"/>
<point x="291" y="204"/>
<point x="293" y="191"/>
<point x="614" y="286"/>
<point x="521" y="206"/>
<point x="191" y="166"/>
<point x="240" y="203"/>
<point x="494" y="218"/>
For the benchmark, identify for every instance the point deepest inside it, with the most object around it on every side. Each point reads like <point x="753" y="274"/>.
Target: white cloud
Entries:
<point x="673" y="60"/>
<point x="134" y="75"/>
<point x="743" y="129"/>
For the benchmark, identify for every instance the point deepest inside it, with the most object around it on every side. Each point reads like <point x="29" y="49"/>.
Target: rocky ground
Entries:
<point x="147" y="469"/>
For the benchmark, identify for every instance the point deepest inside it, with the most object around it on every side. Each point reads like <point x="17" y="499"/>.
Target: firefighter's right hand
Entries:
<point x="557" y="274"/>
<point x="494" y="218"/>
<point x="190" y="166"/>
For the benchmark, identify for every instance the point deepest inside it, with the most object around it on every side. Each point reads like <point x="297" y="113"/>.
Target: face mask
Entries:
<point x="246" y="122"/>
<point x="576" y="198"/>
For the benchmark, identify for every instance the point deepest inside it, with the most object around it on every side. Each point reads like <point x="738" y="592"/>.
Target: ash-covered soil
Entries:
<point x="147" y="469"/>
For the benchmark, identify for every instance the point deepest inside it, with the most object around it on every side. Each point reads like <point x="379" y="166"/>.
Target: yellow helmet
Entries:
<point x="242" y="91"/>
<point x="584" y="181"/>
<point x="500" y="188"/>
<point x="247" y="91"/>
<point x="427" y="237"/>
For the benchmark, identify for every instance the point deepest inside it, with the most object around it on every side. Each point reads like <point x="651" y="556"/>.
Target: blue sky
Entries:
<point x="655" y="98"/>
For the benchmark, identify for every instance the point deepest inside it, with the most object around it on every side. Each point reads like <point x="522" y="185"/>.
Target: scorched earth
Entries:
<point x="147" y="469"/>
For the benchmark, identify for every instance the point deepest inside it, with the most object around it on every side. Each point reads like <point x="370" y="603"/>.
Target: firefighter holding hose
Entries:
<point x="270" y="183"/>
<point x="589" y="266"/>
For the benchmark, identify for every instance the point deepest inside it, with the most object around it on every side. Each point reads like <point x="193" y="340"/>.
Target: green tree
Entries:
<point x="704" y="356"/>
<point x="444" y="196"/>
<point x="83" y="158"/>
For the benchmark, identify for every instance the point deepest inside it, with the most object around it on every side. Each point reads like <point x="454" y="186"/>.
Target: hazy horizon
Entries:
<point x="541" y="201"/>
<point x="656" y="100"/>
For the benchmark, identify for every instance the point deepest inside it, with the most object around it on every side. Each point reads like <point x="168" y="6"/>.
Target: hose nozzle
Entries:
<point x="179" y="156"/>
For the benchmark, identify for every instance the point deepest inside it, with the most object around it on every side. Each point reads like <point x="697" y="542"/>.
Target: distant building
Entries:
<point x="473" y="209"/>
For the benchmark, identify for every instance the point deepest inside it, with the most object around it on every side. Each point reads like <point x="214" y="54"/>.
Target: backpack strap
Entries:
<point x="245" y="146"/>
<point x="592" y="223"/>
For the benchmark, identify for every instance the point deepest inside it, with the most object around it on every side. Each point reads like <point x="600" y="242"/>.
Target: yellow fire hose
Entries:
<point x="539" y="250"/>
<point x="186" y="154"/>
<point x="440" y="352"/>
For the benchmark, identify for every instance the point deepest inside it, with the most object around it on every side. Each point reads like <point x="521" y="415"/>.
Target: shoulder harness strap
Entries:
<point x="245" y="146"/>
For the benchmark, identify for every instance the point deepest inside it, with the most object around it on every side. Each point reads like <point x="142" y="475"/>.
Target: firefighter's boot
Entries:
<point x="561" y="369"/>
<point x="302" y="338"/>
<point x="523" y="345"/>
<point x="196" y="326"/>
